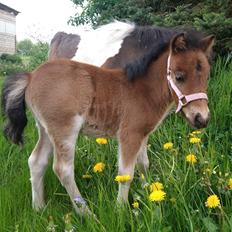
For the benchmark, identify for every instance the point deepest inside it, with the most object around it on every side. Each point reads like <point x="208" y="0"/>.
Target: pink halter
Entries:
<point x="183" y="99"/>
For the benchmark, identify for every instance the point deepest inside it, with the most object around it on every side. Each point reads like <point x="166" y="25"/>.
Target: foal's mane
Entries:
<point x="153" y="41"/>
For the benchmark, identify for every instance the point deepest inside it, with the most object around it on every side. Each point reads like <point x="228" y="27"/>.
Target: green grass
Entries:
<point x="190" y="185"/>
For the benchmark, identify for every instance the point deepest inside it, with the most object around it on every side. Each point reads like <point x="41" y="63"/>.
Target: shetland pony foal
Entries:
<point x="67" y="97"/>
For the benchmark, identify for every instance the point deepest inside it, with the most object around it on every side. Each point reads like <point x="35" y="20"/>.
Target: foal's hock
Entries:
<point x="67" y="97"/>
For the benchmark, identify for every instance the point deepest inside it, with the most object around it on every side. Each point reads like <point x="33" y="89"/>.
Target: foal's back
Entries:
<point x="60" y="90"/>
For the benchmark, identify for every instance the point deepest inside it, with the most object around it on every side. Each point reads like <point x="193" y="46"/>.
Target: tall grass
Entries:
<point x="187" y="186"/>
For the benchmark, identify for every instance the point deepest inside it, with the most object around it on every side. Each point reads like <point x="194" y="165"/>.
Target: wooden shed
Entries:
<point x="7" y="29"/>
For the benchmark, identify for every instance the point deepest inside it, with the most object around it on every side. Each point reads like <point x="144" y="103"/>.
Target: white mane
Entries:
<point x="96" y="46"/>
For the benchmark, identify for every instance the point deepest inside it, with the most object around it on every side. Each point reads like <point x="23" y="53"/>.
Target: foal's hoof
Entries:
<point x="38" y="206"/>
<point x="83" y="210"/>
<point x="81" y="207"/>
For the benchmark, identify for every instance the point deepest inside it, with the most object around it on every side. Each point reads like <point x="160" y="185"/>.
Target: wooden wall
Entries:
<point x="7" y="32"/>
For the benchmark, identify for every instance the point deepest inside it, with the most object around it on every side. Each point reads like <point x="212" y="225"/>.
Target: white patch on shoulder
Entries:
<point x="96" y="46"/>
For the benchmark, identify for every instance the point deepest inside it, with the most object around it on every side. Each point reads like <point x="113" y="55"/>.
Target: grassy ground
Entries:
<point x="187" y="186"/>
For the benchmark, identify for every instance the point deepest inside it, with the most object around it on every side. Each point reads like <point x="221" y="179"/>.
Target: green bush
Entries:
<point x="8" y="68"/>
<point x="10" y="64"/>
<point x="10" y="58"/>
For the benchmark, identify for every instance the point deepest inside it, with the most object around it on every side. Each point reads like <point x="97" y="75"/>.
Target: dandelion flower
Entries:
<point x="135" y="205"/>
<point x="168" y="146"/>
<point x="156" y="186"/>
<point x="191" y="158"/>
<point x="194" y="140"/>
<point x="212" y="201"/>
<point x="99" y="167"/>
<point x="157" y="195"/>
<point x="230" y="183"/>
<point x="101" y="141"/>
<point x="87" y="176"/>
<point x="195" y="133"/>
<point x="124" y="178"/>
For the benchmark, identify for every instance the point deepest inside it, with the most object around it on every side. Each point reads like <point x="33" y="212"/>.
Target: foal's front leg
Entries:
<point x="142" y="160"/>
<point x="129" y="148"/>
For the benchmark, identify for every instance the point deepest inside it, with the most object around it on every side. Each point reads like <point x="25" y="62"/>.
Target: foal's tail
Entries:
<point x="14" y="107"/>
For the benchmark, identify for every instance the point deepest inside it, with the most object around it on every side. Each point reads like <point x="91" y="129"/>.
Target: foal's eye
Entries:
<point x="180" y="76"/>
<point x="198" y="66"/>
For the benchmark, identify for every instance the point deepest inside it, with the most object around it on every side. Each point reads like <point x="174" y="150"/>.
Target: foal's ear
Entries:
<point x="178" y="43"/>
<point x="207" y="44"/>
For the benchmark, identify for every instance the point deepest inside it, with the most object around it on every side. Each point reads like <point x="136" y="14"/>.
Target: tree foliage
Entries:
<point x="38" y="54"/>
<point x="210" y="16"/>
<point x="24" y="47"/>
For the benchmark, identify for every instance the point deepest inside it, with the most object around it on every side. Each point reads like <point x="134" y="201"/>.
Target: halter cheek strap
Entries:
<point x="183" y="99"/>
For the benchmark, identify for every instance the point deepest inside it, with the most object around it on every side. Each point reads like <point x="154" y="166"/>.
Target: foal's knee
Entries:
<point x="63" y="171"/>
<point x="36" y="164"/>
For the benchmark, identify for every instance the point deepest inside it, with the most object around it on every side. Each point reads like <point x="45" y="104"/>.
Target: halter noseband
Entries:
<point x="183" y="99"/>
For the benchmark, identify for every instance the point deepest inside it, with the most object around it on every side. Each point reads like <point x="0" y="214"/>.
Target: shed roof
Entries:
<point x="8" y="9"/>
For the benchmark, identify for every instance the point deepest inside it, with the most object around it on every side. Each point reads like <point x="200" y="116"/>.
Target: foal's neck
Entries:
<point x="157" y="84"/>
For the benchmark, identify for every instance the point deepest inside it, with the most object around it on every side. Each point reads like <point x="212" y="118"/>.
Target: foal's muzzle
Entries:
<point x="200" y="122"/>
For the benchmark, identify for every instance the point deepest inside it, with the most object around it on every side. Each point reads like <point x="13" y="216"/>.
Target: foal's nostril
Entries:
<point x="199" y="121"/>
<point x="207" y="120"/>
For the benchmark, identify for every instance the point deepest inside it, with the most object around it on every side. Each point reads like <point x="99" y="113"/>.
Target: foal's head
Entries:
<point x="189" y="71"/>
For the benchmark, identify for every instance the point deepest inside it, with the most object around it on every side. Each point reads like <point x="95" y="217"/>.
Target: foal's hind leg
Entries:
<point x="64" y="139"/>
<point x="37" y="162"/>
<point x="130" y="145"/>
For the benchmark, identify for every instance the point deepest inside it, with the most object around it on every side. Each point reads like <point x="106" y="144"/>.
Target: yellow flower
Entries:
<point x="86" y="176"/>
<point x="157" y="195"/>
<point x="99" y="167"/>
<point x="142" y="176"/>
<point x="101" y="141"/>
<point x="156" y="186"/>
<point x="135" y="205"/>
<point x="230" y="183"/>
<point x="195" y="133"/>
<point x="191" y="158"/>
<point x="212" y="201"/>
<point x="168" y="146"/>
<point x="124" y="178"/>
<point x="194" y="140"/>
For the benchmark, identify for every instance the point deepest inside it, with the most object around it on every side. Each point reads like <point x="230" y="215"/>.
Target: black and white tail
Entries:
<point x="14" y="107"/>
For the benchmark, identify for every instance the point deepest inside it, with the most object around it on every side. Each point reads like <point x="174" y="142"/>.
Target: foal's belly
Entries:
<point x="98" y="130"/>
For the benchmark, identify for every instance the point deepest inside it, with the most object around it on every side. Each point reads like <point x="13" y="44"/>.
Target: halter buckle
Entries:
<point x="183" y="101"/>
